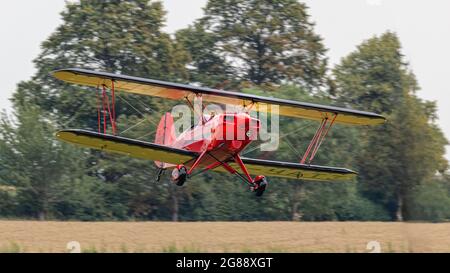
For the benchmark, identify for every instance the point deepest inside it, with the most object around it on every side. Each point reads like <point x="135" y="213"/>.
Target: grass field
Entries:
<point x="34" y="236"/>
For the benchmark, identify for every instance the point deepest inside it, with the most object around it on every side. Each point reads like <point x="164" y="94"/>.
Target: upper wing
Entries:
<point x="293" y="170"/>
<point x="180" y="91"/>
<point x="125" y="146"/>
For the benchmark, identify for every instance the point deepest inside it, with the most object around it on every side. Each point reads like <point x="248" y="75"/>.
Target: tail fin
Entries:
<point x="165" y="135"/>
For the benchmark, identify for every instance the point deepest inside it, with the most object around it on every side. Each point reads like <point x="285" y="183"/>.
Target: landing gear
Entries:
<point x="259" y="185"/>
<point x="179" y="175"/>
<point x="158" y="175"/>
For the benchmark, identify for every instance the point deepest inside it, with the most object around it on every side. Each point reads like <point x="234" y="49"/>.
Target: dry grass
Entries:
<point x="34" y="236"/>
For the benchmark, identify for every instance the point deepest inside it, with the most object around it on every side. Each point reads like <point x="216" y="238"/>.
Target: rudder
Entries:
<point x="165" y="135"/>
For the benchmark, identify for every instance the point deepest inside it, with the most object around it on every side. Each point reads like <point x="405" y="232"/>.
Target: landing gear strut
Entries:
<point x="179" y="175"/>
<point x="158" y="175"/>
<point x="259" y="185"/>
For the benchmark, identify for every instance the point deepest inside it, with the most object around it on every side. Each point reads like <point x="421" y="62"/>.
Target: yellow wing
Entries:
<point x="294" y="170"/>
<point x="152" y="151"/>
<point x="175" y="91"/>
<point x="125" y="146"/>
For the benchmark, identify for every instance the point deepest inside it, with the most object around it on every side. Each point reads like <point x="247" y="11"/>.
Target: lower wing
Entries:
<point x="152" y="151"/>
<point x="125" y="146"/>
<point x="295" y="170"/>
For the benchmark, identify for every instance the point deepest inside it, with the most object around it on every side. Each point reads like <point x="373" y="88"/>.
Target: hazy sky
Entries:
<point x="423" y="28"/>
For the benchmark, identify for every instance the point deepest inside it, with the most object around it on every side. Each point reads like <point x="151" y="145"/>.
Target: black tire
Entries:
<point x="182" y="176"/>
<point x="262" y="185"/>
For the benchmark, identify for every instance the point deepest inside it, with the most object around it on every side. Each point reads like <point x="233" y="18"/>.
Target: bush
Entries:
<point x="340" y="202"/>
<point x="7" y="202"/>
<point x="429" y="202"/>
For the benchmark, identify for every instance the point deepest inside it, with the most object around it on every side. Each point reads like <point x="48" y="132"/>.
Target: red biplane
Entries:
<point x="183" y="154"/>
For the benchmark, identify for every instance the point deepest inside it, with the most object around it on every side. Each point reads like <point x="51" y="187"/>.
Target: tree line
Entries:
<point x="255" y="46"/>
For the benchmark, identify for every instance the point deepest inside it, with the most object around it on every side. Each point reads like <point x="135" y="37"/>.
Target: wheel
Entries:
<point x="260" y="185"/>
<point x="179" y="175"/>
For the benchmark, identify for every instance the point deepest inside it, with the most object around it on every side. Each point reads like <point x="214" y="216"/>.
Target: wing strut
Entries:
<point x="241" y="164"/>
<point x="318" y="139"/>
<point x="106" y="110"/>
<point x="194" y="109"/>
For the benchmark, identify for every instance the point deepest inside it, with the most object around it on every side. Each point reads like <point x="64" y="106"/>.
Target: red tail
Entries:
<point x="165" y="135"/>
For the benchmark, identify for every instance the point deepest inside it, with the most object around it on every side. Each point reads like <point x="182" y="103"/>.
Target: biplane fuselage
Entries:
<point x="215" y="140"/>
<point x="223" y="136"/>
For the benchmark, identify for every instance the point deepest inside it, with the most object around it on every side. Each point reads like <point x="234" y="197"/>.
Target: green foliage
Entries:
<point x="430" y="201"/>
<point x="8" y="202"/>
<point x="246" y="44"/>
<point x="34" y="162"/>
<point x="332" y="202"/>
<point x="115" y="36"/>
<point x="375" y="76"/>
<point x="409" y="149"/>
<point x="207" y="65"/>
<point x="261" y="42"/>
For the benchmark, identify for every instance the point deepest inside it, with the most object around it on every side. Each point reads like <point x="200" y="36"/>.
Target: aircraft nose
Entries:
<point x="242" y="122"/>
<point x="240" y="127"/>
<point x="247" y="127"/>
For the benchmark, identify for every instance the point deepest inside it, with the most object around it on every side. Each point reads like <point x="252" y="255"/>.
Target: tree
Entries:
<point x="237" y="43"/>
<point x="35" y="163"/>
<point x="242" y="43"/>
<point x="120" y="37"/>
<point x="207" y="66"/>
<point x="261" y="42"/>
<point x="409" y="149"/>
<point x="430" y="201"/>
<point x="375" y="76"/>
<point x="115" y="36"/>
<point x="303" y="200"/>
